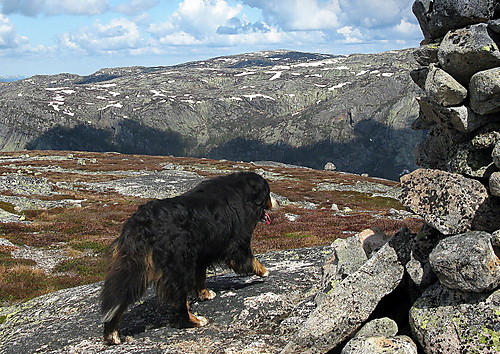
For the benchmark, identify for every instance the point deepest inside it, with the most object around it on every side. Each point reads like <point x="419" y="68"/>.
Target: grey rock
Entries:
<point x="461" y="118"/>
<point x="350" y="303"/>
<point x="378" y="327"/>
<point x="465" y="159"/>
<point x="419" y="75"/>
<point x="164" y="184"/>
<point x="466" y="262"/>
<point x="449" y="321"/>
<point x="449" y="202"/>
<point x="372" y="240"/>
<point x="426" y="54"/>
<point x="433" y="151"/>
<point x="466" y="51"/>
<point x="485" y="91"/>
<point x="494" y="184"/>
<point x="487" y="136"/>
<point x="26" y="185"/>
<point x="494" y="25"/>
<point x="246" y="316"/>
<point x="443" y="89"/>
<point x="380" y="345"/>
<point x="346" y="258"/>
<point x="436" y="17"/>
<point x="330" y="166"/>
<point x="419" y="268"/>
<point x="495" y="154"/>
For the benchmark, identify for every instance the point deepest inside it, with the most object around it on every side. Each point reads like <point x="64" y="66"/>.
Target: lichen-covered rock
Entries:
<point x="467" y="262"/>
<point x="485" y="91"/>
<point x="378" y="327"/>
<point x="349" y="304"/>
<point x="434" y="150"/>
<point x="495" y="154"/>
<point x="461" y="118"/>
<point x="487" y="136"/>
<point x="436" y="17"/>
<point x="494" y="184"/>
<point x="449" y="321"/>
<point x="469" y="161"/>
<point x="380" y="345"/>
<point x="418" y="267"/>
<point x="449" y="202"/>
<point x="443" y="89"/>
<point x="426" y="54"/>
<point x="468" y="50"/>
<point x="247" y="315"/>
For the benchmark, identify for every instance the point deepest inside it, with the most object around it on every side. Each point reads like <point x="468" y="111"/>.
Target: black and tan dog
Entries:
<point x="170" y="243"/>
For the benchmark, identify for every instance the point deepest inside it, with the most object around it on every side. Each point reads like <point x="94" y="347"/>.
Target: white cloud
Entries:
<point x="351" y="35"/>
<point x="118" y="35"/>
<point x="136" y="7"/>
<point x="297" y="15"/>
<point x="54" y="7"/>
<point x="198" y="18"/>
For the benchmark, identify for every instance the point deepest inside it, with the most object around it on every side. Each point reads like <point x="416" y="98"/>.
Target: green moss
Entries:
<point x="296" y="235"/>
<point x="94" y="246"/>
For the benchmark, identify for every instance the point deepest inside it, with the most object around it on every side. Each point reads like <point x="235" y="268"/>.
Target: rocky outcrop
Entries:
<point x="248" y="315"/>
<point x="299" y="108"/>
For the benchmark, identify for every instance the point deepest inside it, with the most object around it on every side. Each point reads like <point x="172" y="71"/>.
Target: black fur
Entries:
<point x="171" y="242"/>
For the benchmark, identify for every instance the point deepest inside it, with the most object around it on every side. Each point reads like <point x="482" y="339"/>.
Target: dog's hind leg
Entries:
<point x="111" y="334"/>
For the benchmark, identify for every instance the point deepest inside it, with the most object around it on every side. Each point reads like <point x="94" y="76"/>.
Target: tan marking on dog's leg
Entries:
<point x="198" y="321"/>
<point x="259" y="269"/>
<point x="206" y="294"/>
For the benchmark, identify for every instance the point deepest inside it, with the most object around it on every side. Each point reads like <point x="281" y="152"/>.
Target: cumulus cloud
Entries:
<point x="296" y="15"/>
<point x="198" y="18"/>
<point x="117" y="35"/>
<point x="54" y="7"/>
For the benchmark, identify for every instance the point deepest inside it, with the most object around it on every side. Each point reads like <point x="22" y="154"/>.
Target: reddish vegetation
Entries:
<point x="86" y="232"/>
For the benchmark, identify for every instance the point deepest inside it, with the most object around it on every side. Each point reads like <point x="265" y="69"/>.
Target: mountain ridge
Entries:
<point x="300" y="108"/>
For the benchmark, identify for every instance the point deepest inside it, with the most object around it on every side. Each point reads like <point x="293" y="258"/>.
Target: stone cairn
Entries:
<point x="436" y="291"/>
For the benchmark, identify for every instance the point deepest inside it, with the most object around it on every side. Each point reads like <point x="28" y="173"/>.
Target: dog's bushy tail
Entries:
<point x="127" y="277"/>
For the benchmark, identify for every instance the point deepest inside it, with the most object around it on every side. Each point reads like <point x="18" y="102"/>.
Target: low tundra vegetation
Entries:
<point x="82" y="234"/>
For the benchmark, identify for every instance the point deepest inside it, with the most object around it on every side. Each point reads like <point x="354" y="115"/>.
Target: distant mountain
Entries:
<point x="11" y="78"/>
<point x="300" y="108"/>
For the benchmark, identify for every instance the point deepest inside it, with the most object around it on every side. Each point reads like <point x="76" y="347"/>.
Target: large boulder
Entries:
<point x="351" y="301"/>
<point x="468" y="50"/>
<point x="436" y="17"/>
<point x="449" y="321"/>
<point x="467" y="262"/>
<point x="449" y="202"/>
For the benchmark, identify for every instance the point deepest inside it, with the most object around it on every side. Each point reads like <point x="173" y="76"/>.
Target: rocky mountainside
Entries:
<point x="300" y="108"/>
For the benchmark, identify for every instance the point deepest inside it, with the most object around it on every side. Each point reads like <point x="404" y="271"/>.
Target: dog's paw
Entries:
<point x="112" y="338"/>
<point x="200" y="321"/>
<point x="265" y="274"/>
<point x="206" y="294"/>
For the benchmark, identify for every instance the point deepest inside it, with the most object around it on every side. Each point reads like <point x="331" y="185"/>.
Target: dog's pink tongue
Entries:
<point x="267" y="219"/>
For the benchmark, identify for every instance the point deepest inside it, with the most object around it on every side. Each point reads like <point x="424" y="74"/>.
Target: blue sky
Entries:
<point x="83" y="36"/>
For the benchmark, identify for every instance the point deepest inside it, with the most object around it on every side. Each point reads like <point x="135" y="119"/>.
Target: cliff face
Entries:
<point x="299" y="108"/>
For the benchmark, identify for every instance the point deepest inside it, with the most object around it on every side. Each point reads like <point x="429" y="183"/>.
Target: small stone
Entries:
<point x="330" y="166"/>
<point x="380" y="344"/>
<point x="379" y="327"/>
<point x="495" y="154"/>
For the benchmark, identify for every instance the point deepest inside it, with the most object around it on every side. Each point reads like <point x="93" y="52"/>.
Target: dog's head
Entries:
<point x="257" y="188"/>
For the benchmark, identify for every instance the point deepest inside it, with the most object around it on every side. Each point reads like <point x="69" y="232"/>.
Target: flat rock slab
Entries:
<point x="249" y="314"/>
